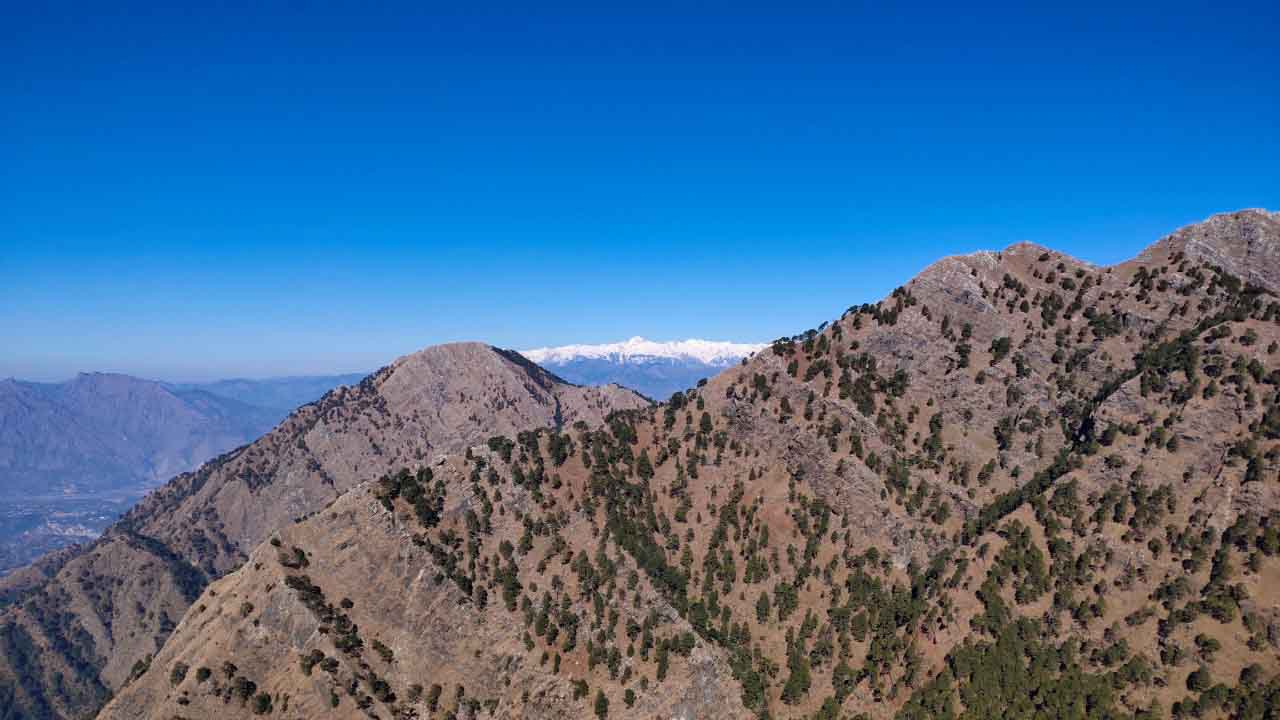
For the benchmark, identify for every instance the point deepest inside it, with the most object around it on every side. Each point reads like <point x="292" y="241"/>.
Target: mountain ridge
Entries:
<point x="1020" y="483"/>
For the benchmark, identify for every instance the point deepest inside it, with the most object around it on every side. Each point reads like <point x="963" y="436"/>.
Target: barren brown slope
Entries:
<point x="1021" y="484"/>
<point x="416" y="628"/>
<point x="73" y="639"/>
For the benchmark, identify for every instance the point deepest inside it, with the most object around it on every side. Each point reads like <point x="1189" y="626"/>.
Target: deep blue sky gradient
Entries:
<point x="244" y="191"/>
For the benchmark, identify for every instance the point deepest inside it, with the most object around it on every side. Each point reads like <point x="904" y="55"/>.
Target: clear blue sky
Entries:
<point x="193" y="193"/>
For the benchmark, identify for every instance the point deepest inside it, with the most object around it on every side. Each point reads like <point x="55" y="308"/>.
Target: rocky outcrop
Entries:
<point x="1245" y="243"/>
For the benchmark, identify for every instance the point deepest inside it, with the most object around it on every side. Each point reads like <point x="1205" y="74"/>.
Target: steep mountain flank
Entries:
<point x="408" y="619"/>
<point x="67" y="643"/>
<point x="1020" y="486"/>
<point x="1243" y="244"/>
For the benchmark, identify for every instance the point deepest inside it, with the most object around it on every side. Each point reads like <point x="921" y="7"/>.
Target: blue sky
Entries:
<point x="189" y="194"/>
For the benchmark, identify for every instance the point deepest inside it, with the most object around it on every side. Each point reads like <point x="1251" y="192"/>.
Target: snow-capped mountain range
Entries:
<point x="655" y="369"/>
<point x="638" y="349"/>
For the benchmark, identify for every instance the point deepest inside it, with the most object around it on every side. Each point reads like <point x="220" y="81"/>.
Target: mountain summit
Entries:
<point x="99" y="613"/>
<point x="655" y="369"/>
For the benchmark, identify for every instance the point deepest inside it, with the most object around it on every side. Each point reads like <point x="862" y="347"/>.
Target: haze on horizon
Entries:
<point x="204" y="194"/>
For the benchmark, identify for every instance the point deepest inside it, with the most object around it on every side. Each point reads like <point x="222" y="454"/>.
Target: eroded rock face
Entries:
<point x="1245" y="244"/>
<point x="109" y="607"/>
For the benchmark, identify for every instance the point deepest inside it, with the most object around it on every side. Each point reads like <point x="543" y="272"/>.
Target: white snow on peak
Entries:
<point x="710" y="352"/>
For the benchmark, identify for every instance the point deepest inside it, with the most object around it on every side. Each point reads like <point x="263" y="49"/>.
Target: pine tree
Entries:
<point x="602" y="705"/>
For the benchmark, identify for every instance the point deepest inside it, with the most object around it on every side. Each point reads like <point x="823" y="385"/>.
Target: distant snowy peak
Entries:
<point x="637" y="349"/>
<point x="654" y="369"/>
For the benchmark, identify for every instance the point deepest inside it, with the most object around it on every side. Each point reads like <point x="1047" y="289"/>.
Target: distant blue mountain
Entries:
<point x="103" y="432"/>
<point x="282" y="394"/>
<point x="75" y="454"/>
